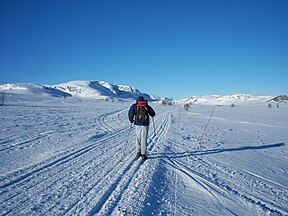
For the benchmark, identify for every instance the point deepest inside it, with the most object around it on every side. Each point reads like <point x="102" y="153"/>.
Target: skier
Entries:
<point x="139" y="114"/>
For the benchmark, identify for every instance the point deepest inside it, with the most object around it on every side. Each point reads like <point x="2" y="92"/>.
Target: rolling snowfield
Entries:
<point x="75" y="156"/>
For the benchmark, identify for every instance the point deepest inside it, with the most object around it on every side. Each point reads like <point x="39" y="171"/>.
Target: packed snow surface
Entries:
<point x="75" y="156"/>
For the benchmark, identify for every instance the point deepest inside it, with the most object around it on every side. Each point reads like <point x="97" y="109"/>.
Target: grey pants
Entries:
<point x="141" y="138"/>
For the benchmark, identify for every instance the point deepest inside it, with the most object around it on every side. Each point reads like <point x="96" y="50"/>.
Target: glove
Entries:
<point x="131" y="121"/>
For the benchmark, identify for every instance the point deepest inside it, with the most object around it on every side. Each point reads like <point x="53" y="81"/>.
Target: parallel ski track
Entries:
<point x="76" y="150"/>
<point x="255" y="189"/>
<point x="212" y="175"/>
<point x="37" y="132"/>
<point x="110" y="195"/>
<point x="61" y="169"/>
<point x="33" y="138"/>
<point x="222" y="180"/>
<point x="110" y="121"/>
<point x="51" y="181"/>
<point x="21" y="142"/>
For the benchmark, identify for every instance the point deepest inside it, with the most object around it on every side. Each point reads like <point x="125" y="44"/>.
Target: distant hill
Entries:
<point x="229" y="99"/>
<point x="85" y="89"/>
<point x="280" y="99"/>
<point x="102" y="90"/>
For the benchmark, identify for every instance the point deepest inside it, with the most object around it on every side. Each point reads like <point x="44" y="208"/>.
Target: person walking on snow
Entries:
<point x="139" y="115"/>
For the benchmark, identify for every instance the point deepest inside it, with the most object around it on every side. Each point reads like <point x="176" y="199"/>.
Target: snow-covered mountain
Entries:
<point x="30" y="88"/>
<point x="227" y="99"/>
<point x="280" y="99"/>
<point x="103" y="90"/>
<point x="85" y="89"/>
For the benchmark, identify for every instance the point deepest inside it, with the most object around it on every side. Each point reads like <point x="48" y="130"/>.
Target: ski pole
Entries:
<point x="154" y="126"/>
<point x="206" y="126"/>
<point x="129" y="133"/>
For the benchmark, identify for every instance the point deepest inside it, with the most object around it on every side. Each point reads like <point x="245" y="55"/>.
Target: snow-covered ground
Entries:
<point x="72" y="156"/>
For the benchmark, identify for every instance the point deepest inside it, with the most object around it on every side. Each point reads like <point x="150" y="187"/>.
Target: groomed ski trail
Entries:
<point x="128" y="189"/>
<point x="92" y="170"/>
<point x="42" y="187"/>
<point x="88" y="180"/>
<point x="225" y="185"/>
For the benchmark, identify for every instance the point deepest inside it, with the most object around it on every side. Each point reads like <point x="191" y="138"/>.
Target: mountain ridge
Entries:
<point x="102" y="90"/>
<point x="86" y="89"/>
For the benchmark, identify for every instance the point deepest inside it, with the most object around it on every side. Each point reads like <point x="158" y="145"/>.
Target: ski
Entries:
<point x="143" y="158"/>
<point x="137" y="156"/>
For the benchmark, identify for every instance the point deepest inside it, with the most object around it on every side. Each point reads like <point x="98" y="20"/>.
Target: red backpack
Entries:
<point x="141" y="111"/>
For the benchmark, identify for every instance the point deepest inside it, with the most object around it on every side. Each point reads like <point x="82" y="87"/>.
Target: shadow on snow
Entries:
<point x="211" y="151"/>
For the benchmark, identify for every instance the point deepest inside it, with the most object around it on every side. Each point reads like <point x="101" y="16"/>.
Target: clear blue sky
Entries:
<point x="173" y="48"/>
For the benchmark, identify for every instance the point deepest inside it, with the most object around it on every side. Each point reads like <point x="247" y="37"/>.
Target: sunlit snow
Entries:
<point x="69" y="150"/>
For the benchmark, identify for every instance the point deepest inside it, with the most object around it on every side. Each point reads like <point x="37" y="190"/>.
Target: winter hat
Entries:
<point x="140" y="98"/>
